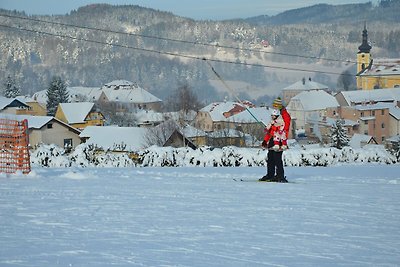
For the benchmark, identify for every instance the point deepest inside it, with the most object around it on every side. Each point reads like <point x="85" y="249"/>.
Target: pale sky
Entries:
<point x="195" y="9"/>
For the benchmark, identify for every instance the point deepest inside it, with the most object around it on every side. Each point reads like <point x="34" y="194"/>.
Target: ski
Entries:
<point x="251" y="180"/>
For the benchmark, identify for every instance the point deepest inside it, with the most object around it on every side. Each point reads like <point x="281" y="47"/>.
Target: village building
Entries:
<point x="312" y="105"/>
<point x="48" y="130"/>
<point x="215" y="116"/>
<point x="304" y="85"/>
<point x="372" y="119"/>
<point x="13" y="106"/>
<point x="79" y="114"/>
<point x="120" y="94"/>
<point x="128" y="96"/>
<point x="36" y="108"/>
<point x="361" y="97"/>
<point x="375" y="73"/>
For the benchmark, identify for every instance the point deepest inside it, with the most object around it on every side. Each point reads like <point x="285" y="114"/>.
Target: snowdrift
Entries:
<point x="86" y="156"/>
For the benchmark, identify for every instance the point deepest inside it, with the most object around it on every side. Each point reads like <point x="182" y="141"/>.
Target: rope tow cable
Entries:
<point x="233" y="92"/>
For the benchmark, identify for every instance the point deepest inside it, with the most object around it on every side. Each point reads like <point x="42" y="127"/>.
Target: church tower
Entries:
<point x="363" y="55"/>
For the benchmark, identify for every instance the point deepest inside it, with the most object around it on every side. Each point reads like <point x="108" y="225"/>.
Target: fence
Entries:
<point x="14" y="150"/>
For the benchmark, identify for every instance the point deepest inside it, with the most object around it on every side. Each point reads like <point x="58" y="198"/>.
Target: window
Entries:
<point x="362" y="114"/>
<point x="68" y="143"/>
<point x="373" y="113"/>
<point x="366" y="122"/>
<point x="383" y="139"/>
<point x="383" y="112"/>
<point x="383" y="125"/>
<point x="49" y="126"/>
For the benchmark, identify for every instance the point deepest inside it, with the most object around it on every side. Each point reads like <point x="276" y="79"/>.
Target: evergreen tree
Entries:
<point x="338" y="135"/>
<point x="395" y="149"/>
<point x="56" y="94"/>
<point x="10" y="89"/>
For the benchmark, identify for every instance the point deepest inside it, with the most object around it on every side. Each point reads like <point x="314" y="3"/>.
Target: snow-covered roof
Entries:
<point x="395" y="112"/>
<point x="375" y="106"/>
<point x="76" y="112"/>
<point x="5" y="102"/>
<point x="118" y="90"/>
<point x="314" y="100"/>
<point x="378" y="95"/>
<point x="149" y="116"/>
<point x="76" y="94"/>
<point x="35" y="122"/>
<point x="357" y="139"/>
<point x="262" y="114"/>
<point x="305" y="85"/>
<point x="383" y="67"/>
<point x="108" y="137"/>
<point x="190" y="131"/>
<point x="128" y="92"/>
<point x="218" y="109"/>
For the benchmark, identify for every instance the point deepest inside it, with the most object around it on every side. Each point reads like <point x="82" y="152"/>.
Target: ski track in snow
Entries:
<point x="333" y="216"/>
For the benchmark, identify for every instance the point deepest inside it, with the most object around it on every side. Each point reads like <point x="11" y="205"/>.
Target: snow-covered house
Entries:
<point x="126" y="95"/>
<point x="120" y="139"/>
<point x="372" y="119"/>
<point x="227" y="137"/>
<point x="79" y="114"/>
<point x="310" y="104"/>
<point x="215" y="116"/>
<point x="48" y="130"/>
<point x="196" y="136"/>
<point x="36" y="108"/>
<point x="251" y="121"/>
<point x="318" y="129"/>
<point x="359" y="97"/>
<point x="13" y="106"/>
<point x="360" y="140"/>
<point x="123" y="95"/>
<point x="300" y="86"/>
<point x="394" y="121"/>
<point x="178" y="139"/>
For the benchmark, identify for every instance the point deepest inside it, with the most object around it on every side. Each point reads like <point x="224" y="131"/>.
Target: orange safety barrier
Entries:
<point x="14" y="151"/>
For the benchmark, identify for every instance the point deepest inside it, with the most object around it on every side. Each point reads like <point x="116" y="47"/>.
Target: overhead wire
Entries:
<point x="174" y="40"/>
<point x="177" y="40"/>
<point x="173" y="53"/>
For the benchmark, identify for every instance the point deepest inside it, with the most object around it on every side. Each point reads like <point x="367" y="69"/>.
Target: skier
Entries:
<point x="275" y="141"/>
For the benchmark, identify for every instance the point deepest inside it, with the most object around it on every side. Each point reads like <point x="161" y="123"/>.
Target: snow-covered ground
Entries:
<point x="345" y="215"/>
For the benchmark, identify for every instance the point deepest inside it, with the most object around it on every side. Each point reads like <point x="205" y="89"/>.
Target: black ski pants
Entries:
<point x="275" y="163"/>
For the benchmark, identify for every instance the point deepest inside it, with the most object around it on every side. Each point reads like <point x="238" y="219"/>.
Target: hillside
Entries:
<point x="100" y="43"/>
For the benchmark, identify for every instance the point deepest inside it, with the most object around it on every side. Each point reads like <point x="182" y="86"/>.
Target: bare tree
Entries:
<point x="183" y="99"/>
<point x="159" y="134"/>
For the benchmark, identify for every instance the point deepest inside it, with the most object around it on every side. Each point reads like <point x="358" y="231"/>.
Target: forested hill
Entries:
<point x="98" y="43"/>
<point x="386" y="10"/>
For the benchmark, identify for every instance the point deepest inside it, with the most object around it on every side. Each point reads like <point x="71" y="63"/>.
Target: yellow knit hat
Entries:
<point x="277" y="103"/>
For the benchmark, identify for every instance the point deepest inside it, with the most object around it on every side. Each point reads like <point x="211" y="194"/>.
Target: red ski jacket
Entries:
<point x="269" y="131"/>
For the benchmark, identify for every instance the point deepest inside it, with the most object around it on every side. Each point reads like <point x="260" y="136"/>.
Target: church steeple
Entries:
<point x="365" y="46"/>
<point x="364" y="58"/>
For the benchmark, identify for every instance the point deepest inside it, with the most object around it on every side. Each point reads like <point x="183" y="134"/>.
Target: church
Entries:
<point x="375" y="73"/>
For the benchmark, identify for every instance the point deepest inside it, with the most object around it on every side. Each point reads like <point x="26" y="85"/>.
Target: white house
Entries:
<point x="304" y="85"/>
<point x="310" y="105"/>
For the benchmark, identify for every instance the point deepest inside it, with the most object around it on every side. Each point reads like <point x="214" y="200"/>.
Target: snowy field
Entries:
<point x="345" y="215"/>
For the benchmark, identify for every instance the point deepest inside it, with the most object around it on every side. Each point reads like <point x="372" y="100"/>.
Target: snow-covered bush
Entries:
<point x="88" y="156"/>
<point x="49" y="156"/>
